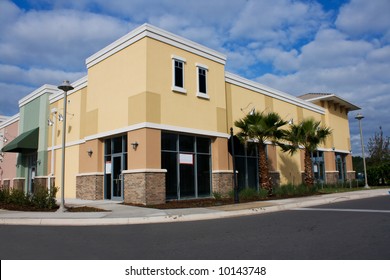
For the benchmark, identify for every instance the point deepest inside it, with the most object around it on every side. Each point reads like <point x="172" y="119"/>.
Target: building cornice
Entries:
<point x="77" y="85"/>
<point x="37" y="93"/>
<point x="274" y="93"/>
<point x="10" y="121"/>
<point x="147" y="30"/>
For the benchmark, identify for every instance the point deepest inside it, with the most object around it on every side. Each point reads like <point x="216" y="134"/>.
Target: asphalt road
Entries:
<point x="358" y="229"/>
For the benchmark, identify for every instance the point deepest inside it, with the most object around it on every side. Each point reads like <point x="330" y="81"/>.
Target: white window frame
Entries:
<point x="198" y="93"/>
<point x="174" y="87"/>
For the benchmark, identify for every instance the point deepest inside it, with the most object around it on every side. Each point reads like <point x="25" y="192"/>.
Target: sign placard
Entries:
<point x="186" y="159"/>
<point x="108" y="167"/>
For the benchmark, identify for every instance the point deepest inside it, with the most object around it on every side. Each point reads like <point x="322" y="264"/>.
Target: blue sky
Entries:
<point x="335" y="46"/>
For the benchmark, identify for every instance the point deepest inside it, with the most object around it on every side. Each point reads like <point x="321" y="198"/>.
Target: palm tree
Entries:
<point x="308" y="135"/>
<point x="261" y="127"/>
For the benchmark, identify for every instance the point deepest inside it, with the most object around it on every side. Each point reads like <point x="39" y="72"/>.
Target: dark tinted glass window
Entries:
<point x="187" y="180"/>
<point x="117" y="145"/>
<point x="168" y="142"/>
<point x="186" y="143"/>
<point x="203" y="145"/>
<point x="203" y="168"/>
<point x="202" y="80"/>
<point x="179" y="74"/>
<point x="169" y="162"/>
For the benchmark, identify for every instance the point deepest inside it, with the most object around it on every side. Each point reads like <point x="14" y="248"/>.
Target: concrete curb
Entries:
<point x="280" y="205"/>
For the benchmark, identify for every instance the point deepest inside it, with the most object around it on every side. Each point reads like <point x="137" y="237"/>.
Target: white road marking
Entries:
<point x="343" y="210"/>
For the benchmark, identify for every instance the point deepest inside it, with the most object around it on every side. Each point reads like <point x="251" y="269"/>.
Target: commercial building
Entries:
<point x="150" y="122"/>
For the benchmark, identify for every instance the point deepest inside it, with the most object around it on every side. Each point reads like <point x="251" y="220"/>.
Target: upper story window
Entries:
<point x="202" y="80"/>
<point x="178" y="74"/>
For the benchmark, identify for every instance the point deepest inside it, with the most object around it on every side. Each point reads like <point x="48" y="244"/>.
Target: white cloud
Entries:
<point x="14" y="74"/>
<point x="362" y="17"/>
<point x="61" y="39"/>
<point x="280" y="23"/>
<point x="10" y="96"/>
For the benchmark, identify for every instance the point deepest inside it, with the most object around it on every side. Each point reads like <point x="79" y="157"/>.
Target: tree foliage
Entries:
<point x="308" y="134"/>
<point x="378" y="161"/>
<point x="378" y="149"/>
<point x="261" y="127"/>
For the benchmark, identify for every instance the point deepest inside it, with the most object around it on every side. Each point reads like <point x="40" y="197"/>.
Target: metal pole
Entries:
<point x="66" y="86"/>
<point x="62" y="205"/>
<point x="363" y="154"/>
<point x="236" y="196"/>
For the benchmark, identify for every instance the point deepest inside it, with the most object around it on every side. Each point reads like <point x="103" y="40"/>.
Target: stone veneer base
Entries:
<point x="222" y="182"/>
<point x="145" y="187"/>
<point x="90" y="186"/>
<point x="18" y="184"/>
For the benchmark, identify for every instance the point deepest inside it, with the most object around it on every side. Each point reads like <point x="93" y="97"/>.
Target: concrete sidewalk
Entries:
<point x="124" y="215"/>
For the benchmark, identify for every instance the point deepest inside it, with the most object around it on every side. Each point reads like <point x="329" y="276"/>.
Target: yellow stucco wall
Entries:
<point x="186" y="109"/>
<point x="111" y="82"/>
<point x="71" y="170"/>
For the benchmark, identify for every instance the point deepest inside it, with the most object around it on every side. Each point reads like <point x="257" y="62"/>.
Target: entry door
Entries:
<point x="116" y="177"/>
<point x="32" y="171"/>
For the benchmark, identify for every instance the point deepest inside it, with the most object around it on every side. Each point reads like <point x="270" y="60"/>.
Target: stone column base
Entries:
<point x="90" y="186"/>
<point x="41" y="183"/>
<point x="6" y="184"/>
<point x="351" y="175"/>
<point x="19" y="184"/>
<point x="223" y="182"/>
<point x="332" y="177"/>
<point x="144" y="186"/>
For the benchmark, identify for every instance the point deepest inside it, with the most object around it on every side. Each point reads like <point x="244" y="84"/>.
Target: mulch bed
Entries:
<point x="28" y="208"/>
<point x="85" y="209"/>
<point x="191" y="203"/>
<point x="16" y="207"/>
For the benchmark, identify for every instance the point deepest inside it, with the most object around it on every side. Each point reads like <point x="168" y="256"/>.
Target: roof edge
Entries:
<point x="148" y="30"/>
<point x="280" y="95"/>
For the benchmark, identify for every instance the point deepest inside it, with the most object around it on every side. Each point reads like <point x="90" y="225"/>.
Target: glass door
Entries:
<point x="117" y="178"/>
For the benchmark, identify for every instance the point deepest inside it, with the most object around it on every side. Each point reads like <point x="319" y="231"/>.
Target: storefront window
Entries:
<point x="340" y="166"/>
<point x="247" y="162"/>
<point x="187" y="160"/>
<point x="317" y="158"/>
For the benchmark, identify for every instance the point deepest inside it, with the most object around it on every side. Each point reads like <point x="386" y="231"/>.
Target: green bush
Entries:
<point x="379" y="175"/>
<point x="217" y="195"/>
<point x="290" y="190"/>
<point x="250" y="194"/>
<point x="40" y="200"/>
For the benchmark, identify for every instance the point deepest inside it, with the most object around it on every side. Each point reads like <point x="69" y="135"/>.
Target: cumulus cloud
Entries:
<point x="280" y="23"/>
<point x="364" y="18"/>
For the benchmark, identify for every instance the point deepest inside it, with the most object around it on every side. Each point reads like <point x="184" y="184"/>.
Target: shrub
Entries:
<point x="217" y="195"/>
<point x="40" y="200"/>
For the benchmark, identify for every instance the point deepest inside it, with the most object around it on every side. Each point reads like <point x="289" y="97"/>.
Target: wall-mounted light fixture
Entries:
<point x="90" y="152"/>
<point x="50" y="122"/>
<point x="333" y="148"/>
<point x="250" y="107"/>
<point x="60" y="117"/>
<point x="5" y="140"/>
<point x="135" y="145"/>
<point x="291" y="121"/>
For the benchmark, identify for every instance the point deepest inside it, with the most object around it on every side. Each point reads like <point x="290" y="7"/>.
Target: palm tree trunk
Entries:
<point x="309" y="175"/>
<point x="263" y="168"/>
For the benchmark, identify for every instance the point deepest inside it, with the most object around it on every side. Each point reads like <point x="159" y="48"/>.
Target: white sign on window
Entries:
<point x="108" y="167"/>
<point x="186" y="159"/>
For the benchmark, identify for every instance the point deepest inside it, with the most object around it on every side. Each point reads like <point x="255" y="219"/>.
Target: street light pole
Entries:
<point x="65" y="86"/>
<point x="359" y="117"/>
